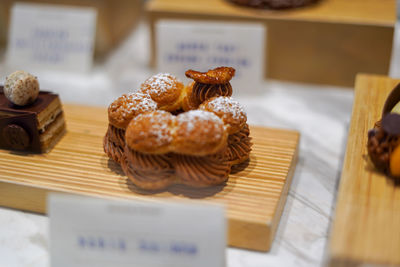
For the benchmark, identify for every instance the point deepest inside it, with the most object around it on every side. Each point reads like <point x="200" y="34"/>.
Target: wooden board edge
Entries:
<point x="241" y="234"/>
<point x="249" y="235"/>
<point x="335" y="256"/>
<point x="23" y="197"/>
<point x="285" y="191"/>
<point x="257" y="236"/>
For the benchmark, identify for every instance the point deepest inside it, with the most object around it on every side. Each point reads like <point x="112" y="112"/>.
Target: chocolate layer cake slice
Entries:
<point x="36" y="127"/>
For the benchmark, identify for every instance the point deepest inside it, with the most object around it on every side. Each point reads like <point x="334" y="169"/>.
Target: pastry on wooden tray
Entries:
<point x="167" y="133"/>
<point x="30" y="119"/>
<point x="384" y="138"/>
<point x="277" y="4"/>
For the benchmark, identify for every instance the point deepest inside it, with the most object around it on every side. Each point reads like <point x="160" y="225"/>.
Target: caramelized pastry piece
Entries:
<point x="220" y="75"/>
<point x="208" y="84"/>
<point x="165" y="89"/>
<point x="229" y="110"/>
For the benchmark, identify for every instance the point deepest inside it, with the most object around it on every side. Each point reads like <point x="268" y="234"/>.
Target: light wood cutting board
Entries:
<point x="254" y="196"/>
<point x="366" y="227"/>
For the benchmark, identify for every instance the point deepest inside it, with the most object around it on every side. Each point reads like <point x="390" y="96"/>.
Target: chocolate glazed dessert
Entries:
<point x="35" y="128"/>
<point x="29" y="120"/>
<point x="384" y="139"/>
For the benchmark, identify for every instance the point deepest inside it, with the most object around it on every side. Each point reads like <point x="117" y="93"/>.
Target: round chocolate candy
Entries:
<point x="16" y="137"/>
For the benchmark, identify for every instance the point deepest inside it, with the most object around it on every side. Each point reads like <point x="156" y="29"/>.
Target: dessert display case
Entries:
<point x="278" y="195"/>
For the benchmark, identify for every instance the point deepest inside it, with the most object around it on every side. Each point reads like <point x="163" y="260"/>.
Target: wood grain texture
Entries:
<point x="367" y="222"/>
<point x="254" y="196"/>
<point x="326" y="43"/>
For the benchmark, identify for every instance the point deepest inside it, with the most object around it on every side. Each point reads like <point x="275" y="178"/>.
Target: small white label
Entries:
<point x="199" y="45"/>
<point x="51" y="37"/>
<point x="101" y="232"/>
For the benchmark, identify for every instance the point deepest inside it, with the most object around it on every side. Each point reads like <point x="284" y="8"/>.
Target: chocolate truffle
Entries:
<point x="21" y="88"/>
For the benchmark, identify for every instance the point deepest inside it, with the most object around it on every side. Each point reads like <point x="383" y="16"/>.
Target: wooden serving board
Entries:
<point x="254" y="196"/>
<point x="366" y="229"/>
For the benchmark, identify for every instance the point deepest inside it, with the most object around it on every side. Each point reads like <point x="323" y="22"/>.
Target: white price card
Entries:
<point x="200" y="45"/>
<point x="51" y="37"/>
<point x="88" y="231"/>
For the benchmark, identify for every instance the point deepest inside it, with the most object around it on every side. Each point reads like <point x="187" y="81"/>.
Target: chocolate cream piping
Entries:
<point x="112" y="149"/>
<point x="149" y="162"/>
<point x="201" y="91"/>
<point x="239" y="152"/>
<point x="201" y="171"/>
<point x="239" y="146"/>
<point x="147" y="179"/>
<point x="116" y="135"/>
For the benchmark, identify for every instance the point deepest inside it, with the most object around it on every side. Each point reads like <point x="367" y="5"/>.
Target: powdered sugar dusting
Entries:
<point x="193" y="117"/>
<point x="159" y="83"/>
<point x="227" y="105"/>
<point x="158" y="127"/>
<point x="132" y="104"/>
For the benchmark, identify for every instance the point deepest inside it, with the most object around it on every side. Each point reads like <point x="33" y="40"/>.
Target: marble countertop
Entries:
<point x="320" y="113"/>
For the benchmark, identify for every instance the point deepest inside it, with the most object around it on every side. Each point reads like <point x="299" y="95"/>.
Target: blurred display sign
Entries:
<point x="51" y="37"/>
<point x="103" y="232"/>
<point x="202" y="45"/>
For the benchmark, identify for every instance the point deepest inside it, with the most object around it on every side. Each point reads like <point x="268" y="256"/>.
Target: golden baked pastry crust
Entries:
<point x="195" y="132"/>
<point x="151" y="132"/>
<point x="199" y="133"/>
<point x="127" y="106"/>
<point x="229" y="110"/>
<point x="165" y="90"/>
